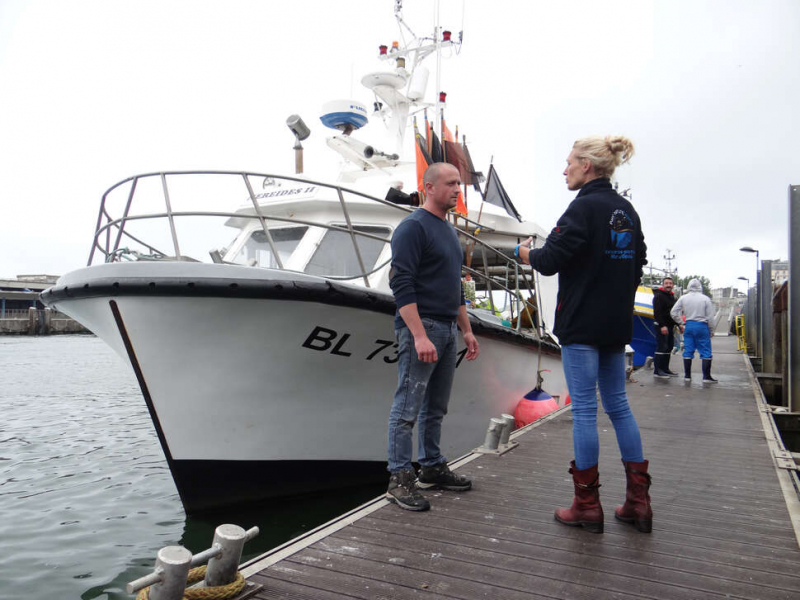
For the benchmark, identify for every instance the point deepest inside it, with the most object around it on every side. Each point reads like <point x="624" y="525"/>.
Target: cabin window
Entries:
<point x="257" y="247"/>
<point x="337" y="256"/>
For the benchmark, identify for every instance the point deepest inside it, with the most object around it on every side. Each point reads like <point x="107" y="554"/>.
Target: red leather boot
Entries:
<point x="586" y="511"/>
<point x="636" y="509"/>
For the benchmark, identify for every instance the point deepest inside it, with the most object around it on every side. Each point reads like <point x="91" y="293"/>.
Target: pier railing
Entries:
<point x="498" y="272"/>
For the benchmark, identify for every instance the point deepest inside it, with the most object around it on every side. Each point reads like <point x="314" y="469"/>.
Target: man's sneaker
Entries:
<point x="403" y="491"/>
<point x="440" y="477"/>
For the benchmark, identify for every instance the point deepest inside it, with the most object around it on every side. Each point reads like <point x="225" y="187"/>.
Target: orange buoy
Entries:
<point x="534" y="405"/>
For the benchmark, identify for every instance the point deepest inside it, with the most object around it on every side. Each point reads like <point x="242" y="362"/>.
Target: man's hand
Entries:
<point x="426" y="351"/>
<point x="473" y="349"/>
<point x="664" y="330"/>
<point x="681" y="327"/>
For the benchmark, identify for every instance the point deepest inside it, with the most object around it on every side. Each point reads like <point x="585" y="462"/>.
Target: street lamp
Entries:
<point x="745" y="279"/>
<point x="749" y="249"/>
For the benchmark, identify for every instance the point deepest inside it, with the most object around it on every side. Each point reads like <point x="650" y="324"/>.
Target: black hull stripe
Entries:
<point x="325" y="292"/>
<point x="210" y="484"/>
<point x="126" y="340"/>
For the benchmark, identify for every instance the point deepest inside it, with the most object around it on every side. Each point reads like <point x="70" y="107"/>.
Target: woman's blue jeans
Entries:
<point x="586" y="368"/>
<point x="423" y="392"/>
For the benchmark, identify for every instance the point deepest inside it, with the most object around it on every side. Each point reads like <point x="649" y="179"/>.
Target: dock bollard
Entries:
<point x="497" y="436"/>
<point x="508" y="425"/>
<point x="492" y="440"/>
<point x="168" y="579"/>
<point x="171" y="574"/>
<point x="230" y="539"/>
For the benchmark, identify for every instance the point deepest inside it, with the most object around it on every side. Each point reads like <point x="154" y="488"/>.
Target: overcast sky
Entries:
<point x="92" y="92"/>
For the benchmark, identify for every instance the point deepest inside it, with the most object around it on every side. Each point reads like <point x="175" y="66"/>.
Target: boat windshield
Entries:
<point x="336" y="255"/>
<point x="258" y="249"/>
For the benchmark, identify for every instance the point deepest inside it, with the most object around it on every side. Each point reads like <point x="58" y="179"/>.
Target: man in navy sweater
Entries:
<point x="426" y="281"/>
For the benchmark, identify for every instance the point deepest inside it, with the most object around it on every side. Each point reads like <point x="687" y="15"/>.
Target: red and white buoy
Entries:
<point x="534" y="405"/>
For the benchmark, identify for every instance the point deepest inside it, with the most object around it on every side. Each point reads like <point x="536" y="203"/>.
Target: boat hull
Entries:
<point x="644" y="337"/>
<point x="643" y="340"/>
<point x="268" y="387"/>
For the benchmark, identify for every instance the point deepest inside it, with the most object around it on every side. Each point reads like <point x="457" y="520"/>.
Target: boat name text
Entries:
<point x="322" y="339"/>
<point x="289" y="192"/>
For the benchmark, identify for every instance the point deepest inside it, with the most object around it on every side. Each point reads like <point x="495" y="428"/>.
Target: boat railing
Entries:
<point x="111" y="231"/>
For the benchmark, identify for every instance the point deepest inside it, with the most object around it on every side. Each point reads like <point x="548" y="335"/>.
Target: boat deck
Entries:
<point x="722" y="528"/>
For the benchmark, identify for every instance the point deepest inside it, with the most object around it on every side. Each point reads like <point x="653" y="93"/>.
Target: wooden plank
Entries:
<point x="317" y="582"/>
<point x="769" y="571"/>
<point x="448" y="577"/>
<point x="524" y="557"/>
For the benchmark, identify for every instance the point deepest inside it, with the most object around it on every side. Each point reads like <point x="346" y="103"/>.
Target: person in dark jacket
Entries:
<point x="664" y="325"/>
<point x="598" y="250"/>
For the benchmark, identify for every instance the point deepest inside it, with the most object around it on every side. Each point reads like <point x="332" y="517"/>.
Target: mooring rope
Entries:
<point x="220" y="592"/>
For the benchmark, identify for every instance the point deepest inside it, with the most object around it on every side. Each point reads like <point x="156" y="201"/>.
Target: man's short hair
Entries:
<point x="667" y="277"/>
<point x="433" y="172"/>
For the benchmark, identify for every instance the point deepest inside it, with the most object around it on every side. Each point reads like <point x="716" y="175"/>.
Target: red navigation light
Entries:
<point x="383" y="48"/>
<point x="442" y="96"/>
<point x="445" y="36"/>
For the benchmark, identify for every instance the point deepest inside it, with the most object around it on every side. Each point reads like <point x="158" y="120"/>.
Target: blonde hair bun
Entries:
<point x="605" y="153"/>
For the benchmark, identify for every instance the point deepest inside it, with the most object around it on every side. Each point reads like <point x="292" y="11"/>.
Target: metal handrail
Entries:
<point x="96" y="245"/>
<point x="104" y="229"/>
<point x="207" y="213"/>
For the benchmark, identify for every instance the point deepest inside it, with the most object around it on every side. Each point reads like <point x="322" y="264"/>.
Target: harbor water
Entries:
<point x="86" y="497"/>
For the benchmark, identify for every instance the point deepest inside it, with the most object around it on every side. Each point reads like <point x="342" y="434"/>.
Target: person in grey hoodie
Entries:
<point x="699" y="313"/>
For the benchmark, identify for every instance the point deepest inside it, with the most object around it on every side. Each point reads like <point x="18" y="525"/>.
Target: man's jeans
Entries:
<point x="423" y="391"/>
<point x="586" y="368"/>
<point x="664" y="343"/>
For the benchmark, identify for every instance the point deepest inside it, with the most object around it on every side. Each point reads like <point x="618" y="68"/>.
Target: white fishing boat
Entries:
<point x="267" y="362"/>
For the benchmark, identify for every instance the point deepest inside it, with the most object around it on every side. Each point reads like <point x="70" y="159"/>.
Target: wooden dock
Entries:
<point x="725" y="524"/>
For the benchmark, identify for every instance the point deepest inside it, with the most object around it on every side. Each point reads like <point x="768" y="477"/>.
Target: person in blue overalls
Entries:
<point x="699" y="313"/>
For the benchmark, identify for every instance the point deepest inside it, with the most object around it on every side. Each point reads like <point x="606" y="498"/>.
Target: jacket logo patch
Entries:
<point x="621" y="227"/>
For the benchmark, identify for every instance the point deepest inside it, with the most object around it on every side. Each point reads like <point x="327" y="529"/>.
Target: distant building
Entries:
<point x="23" y="292"/>
<point x="780" y="271"/>
<point x="720" y="293"/>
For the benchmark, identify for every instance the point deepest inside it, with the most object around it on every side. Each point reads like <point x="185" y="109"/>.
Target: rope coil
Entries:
<point x="220" y="592"/>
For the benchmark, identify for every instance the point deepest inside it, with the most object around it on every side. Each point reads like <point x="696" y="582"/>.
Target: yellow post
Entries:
<point x="741" y="342"/>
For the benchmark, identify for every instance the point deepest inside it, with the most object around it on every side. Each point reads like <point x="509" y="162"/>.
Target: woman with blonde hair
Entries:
<point x="598" y="250"/>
